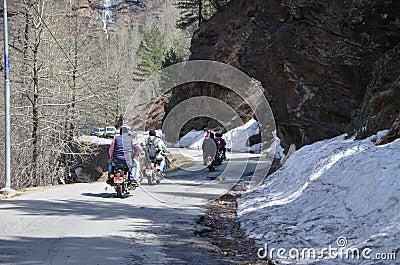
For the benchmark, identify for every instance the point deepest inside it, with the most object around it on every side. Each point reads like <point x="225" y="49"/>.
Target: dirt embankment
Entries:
<point x="225" y="232"/>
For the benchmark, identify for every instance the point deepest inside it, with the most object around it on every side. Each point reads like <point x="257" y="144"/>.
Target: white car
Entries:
<point x="99" y="132"/>
<point x="110" y="132"/>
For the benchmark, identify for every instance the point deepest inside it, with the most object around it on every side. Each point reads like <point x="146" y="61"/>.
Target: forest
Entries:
<point x="73" y="64"/>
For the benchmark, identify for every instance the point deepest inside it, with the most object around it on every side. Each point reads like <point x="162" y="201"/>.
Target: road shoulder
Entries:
<point x="225" y="235"/>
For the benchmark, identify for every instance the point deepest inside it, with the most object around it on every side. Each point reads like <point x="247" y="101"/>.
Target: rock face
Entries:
<point x="323" y="64"/>
<point x="383" y="95"/>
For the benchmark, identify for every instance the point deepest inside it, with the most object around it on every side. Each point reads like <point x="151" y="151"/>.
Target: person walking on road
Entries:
<point x="209" y="150"/>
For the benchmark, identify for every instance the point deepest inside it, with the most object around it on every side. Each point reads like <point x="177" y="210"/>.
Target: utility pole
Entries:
<point x="7" y="188"/>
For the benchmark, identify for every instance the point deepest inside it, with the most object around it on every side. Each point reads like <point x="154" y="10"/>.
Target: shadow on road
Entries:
<point x="170" y="226"/>
<point x="96" y="250"/>
<point x="155" y="234"/>
<point x="100" y="195"/>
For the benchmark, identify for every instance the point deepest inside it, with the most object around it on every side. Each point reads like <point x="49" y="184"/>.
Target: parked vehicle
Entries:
<point x="97" y="132"/>
<point x="110" y="132"/>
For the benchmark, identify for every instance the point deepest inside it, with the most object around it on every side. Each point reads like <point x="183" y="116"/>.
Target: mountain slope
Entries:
<point x="324" y="65"/>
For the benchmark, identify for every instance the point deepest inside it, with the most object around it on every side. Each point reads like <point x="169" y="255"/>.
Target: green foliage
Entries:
<point x="193" y="11"/>
<point x="189" y="13"/>
<point x="175" y="54"/>
<point x="151" y="52"/>
<point x="171" y="58"/>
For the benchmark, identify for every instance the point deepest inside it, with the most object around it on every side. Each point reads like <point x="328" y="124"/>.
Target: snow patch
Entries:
<point x="193" y="139"/>
<point x="236" y="139"/>
<point x="330" y="189"/>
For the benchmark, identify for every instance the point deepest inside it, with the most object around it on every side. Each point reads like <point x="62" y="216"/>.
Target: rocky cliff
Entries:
<point x="326" y="67"/>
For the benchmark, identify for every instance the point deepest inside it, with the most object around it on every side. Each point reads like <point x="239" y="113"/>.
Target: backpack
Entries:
<point x="151" y="148"/>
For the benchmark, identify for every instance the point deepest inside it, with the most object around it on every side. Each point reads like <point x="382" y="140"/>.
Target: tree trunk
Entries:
<point x="200" y="12"/>
<point x="35" y="115"/>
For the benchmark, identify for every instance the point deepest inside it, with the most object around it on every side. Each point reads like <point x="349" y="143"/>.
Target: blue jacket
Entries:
<point x="123" y="147"/>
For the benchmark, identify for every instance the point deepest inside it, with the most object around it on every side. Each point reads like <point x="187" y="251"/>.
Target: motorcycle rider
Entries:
<point x="221" y="146"/>
<point x="159" y="150"/>
<point x="164" y="150"/>
<point x="121" y="150"/>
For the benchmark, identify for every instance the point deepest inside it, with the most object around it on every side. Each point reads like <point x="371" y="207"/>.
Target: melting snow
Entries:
<point x="193" y="139"/>
<point x="236" y="139"/>
<point x="330" y="189"/>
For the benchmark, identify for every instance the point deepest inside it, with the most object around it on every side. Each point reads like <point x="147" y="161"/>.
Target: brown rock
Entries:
<point x="315" y="60"/>
<point x="393" y="134"/>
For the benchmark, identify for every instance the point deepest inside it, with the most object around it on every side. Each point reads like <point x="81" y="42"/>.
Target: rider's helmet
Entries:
<point x="152" y="133"/>
<point x="125" y="129"/>
<point x="212" y="135"/>
<point x="159" y="134"/>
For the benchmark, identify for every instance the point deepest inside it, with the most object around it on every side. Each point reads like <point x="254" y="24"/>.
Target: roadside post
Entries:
<point x="7" y="188"/>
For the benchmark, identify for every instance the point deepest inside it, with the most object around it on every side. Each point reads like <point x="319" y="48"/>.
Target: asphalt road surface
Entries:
<point x="86" y="224"/>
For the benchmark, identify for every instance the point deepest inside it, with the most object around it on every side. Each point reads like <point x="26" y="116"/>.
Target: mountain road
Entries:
<point x="86" y="224"/>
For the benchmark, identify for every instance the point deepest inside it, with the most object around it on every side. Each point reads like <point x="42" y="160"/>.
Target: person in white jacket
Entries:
<point x="155" y="149"/>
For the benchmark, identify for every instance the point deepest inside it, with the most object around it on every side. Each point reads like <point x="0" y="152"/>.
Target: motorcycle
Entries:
<point x="154" y="172"/>
<point x="220" y="157"/>
<point x="120" y="181"/>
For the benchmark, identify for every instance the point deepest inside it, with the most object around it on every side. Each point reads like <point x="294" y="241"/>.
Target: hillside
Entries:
<point x="327" y="67"/>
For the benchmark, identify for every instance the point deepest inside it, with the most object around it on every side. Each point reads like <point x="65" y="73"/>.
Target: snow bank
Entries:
<point x="94" y="140"/>
<point x="236" y="139"/>
<point x="193" y="139"/>
<point x="275" y="150"/>
<point x="330" y="189"/>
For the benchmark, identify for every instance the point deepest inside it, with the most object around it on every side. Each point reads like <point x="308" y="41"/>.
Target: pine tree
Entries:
<point x="151" y="52"/>
<point x="171" y="58"/>
<point x="193" y="11"/>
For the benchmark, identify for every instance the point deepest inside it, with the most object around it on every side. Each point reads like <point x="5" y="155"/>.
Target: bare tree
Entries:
<point x="66" y="77"/>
